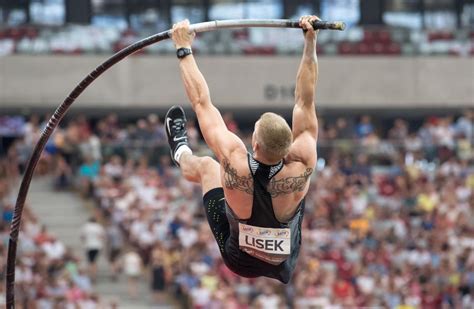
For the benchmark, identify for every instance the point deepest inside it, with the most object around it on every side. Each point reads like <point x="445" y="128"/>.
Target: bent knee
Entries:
<point x="208" y="164"/>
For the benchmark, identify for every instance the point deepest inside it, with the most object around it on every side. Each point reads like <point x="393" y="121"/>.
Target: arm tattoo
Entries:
<point x="234" y="181"/>
<point x="289" y="184"/>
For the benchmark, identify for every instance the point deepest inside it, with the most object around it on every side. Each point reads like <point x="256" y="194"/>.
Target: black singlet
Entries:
<point x="261" y="245"/>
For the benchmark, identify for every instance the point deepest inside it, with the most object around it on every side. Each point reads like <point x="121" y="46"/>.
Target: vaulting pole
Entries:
<point x="76" y="92"/>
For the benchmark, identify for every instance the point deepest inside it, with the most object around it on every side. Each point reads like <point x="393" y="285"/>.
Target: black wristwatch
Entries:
<point x="183" y="52"/>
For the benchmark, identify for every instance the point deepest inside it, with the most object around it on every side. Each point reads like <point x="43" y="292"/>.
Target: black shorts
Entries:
<point x="214" y="205"/>
<point x="158" y="279"/>
<point x="92" y="255"/>
<point x="236" y="260"/>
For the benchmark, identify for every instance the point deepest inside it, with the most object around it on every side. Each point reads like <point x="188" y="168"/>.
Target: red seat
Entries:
<point x="346" y="48"/>
<point x="440" y="35"/>
<point x="369" y="36"/>
<point x="242" y="34"/>
<point x="31" y="32"/>
<point x="447" y="36"/>
<point x="453" y="52"/>
<point x="364" y="48"/>
<point x="384" y="36"/>
<point x="259" y="50"/>
<point x="76" y="51"/>
<point x="379" y="48"/>
<point x="393" y="49"/>
<point x="128" y="32"/>
<point x="58" y="51"/>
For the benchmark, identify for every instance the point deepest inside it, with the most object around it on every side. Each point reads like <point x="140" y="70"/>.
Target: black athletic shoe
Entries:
<point x="175" y="122"/>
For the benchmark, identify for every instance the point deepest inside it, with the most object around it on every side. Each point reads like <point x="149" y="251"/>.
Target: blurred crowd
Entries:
<point x="388" y="223"/>
<point x="48" y="274"/>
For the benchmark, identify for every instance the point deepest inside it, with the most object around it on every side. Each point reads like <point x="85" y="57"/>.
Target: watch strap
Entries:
<point x="183" y="52"/>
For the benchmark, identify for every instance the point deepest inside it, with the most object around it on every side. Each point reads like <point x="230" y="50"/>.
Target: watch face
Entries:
<point x="183" y="52"/>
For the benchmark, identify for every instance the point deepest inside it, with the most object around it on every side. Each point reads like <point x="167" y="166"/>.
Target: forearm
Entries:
<point x="194" y="82"/>
<point x="307" y="76"/>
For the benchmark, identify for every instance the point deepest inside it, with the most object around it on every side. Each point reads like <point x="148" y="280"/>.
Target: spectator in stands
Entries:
<point x="398" y="132"/>
<point x="464" y="125"/>
<point x="54" y="249"/>
<point x="344" y="130"/>
<point x="93" y="236"/>
<point x="32" y="130"/>
<point x="193" y="134"/>
<point x="158" y="273"/>
<point x="201" y="297"/>
<point x="268" y="299"/>
<point x="157" y="129"/>
<point x="230" y="122"/>
<point x="62" y="174"/>
<point x="90" y="146"/>
<point x="88" y="173"/>
<point x="132" y="268"/>
<point x="115" y="243"/>
<point x="114" y="167"/>
<point x="365" y="127"/>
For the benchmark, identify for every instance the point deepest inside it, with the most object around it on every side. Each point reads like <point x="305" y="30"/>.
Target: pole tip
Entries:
<point x="340" y="25"/>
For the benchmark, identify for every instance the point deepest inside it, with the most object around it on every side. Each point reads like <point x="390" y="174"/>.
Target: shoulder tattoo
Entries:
<point x="235" y="182"/>
<point x="289" y="184"/>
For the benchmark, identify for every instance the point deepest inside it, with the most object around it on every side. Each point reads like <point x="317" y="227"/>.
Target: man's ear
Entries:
<point x="255" y="147"/>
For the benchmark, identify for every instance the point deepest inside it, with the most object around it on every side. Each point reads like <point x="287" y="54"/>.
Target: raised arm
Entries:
<point x="221" y="141"/>
<point x="305" y="123"/>
<point x="304" y="112"/>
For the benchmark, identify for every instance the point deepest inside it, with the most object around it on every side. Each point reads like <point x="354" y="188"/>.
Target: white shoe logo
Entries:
<point x="178" y="138"/>
<point x="168" y="120"/>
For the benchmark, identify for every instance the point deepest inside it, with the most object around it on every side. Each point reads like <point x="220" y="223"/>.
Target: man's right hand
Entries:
<point x="306" y="25"/>
<point x="181" y="36"/>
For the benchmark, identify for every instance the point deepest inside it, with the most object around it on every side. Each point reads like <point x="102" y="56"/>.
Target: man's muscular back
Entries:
<point x="287" y="188"/>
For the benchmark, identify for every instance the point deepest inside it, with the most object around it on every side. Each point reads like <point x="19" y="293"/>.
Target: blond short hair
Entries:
<point x="274" y="136"/>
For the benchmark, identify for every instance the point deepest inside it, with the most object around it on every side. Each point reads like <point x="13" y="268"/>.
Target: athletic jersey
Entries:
<point x="261" y="245"/>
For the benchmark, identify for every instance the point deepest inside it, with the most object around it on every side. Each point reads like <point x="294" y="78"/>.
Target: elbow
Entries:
<point x="304" y="100"/>
<point x="195" y="100"/>
<point x="310" y="57"/>
<point x="201" y="99"/>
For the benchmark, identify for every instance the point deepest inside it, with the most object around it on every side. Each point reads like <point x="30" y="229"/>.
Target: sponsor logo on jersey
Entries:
<point x="271" y="245"/>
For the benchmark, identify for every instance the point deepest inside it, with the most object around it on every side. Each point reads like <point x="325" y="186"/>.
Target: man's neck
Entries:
<point x="264" y="160"/>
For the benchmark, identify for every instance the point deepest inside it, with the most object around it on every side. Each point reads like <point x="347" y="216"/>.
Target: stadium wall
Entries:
<point x="259" y="82"/>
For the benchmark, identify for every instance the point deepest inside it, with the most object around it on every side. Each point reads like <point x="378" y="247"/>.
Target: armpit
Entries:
<point x="235" y="182"/>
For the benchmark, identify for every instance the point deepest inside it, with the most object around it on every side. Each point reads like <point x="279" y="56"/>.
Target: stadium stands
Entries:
<point x="48" y="274"/>
<point x="354" y="41"/>
<point x="388" y="218"/>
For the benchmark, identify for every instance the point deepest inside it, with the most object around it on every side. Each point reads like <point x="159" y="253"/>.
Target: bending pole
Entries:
<point x="74" y="94"/>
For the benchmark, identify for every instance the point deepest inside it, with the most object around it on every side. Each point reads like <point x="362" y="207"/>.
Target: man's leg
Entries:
<point x="203" y="170"/>
<point x="206" y="171"/>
